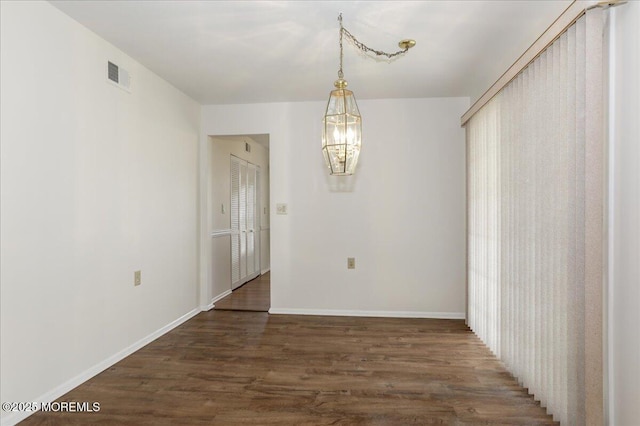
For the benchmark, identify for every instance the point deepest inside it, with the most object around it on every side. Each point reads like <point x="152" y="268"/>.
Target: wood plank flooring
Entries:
<point x="252" y="296"/>
<point x="232" y="368"/>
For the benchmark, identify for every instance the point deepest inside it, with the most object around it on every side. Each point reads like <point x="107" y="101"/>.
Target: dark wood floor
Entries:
<point x="252" y="296"/>
<point x="228" y="368"/>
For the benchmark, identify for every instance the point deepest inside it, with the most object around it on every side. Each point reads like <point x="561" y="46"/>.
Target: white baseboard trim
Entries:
<point x="264" y="271"/>
<point x="218" y="297"/>
<point x="355" y="313"/>
<point x="209" y="306"/>
<point x="57" y="392"/>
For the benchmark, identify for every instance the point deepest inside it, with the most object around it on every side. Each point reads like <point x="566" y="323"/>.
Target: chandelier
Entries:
<point x="342" y="123"/>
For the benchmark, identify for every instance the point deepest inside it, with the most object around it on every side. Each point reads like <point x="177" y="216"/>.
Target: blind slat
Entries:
<point x="535" y="206"/>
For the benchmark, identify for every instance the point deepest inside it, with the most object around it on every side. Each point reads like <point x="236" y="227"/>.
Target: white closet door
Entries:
<point x="245" y="222"/>
<point x="235" y="222"/>
<point x="257" y="233"/>
<point x="243" y="219"/>
<point x="251" y="218"/>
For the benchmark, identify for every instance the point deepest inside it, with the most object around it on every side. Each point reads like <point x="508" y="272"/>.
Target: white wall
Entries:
<point x="219" y="184"/>
<point x="95" y="183"/>
<point x="624" y="220"/>
<point x="401" y="216"/>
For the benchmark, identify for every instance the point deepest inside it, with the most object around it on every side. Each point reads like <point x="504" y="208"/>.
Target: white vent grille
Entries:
<point x="118" y="76"/>
<point x="112" y="72"/>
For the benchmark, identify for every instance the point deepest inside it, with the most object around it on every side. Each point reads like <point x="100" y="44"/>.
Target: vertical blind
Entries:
<point x="535" y="224"/>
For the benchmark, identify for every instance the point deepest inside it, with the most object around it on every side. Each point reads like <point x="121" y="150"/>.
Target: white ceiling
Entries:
<point x="224" y="52"/>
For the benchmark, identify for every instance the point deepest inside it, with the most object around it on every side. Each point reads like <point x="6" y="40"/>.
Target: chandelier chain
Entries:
<point x="340" y="73"/>
<point x="360" y="45"/>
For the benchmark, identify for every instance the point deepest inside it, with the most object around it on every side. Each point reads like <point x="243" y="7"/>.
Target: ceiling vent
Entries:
<point x="118" y="76"/>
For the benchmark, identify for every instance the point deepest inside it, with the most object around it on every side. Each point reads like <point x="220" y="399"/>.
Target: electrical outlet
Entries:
<point x="281" y="208"/>
<point x="351" y="263"/>
<point x="137" y="278"/>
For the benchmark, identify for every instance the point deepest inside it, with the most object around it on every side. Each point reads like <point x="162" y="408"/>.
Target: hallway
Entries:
<point x="253" y="296"/>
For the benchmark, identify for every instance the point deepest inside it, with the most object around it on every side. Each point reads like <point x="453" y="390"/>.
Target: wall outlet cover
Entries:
<point x="281" y="208"/>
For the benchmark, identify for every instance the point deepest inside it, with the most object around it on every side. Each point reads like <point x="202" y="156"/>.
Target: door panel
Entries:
<point x="245" y="248"/>
<point x="243" y="219"/>
<point x="235" y="222"/>
<point x="251" y="218"/>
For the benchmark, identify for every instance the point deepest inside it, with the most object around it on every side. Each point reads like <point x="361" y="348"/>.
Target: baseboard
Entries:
<point x="218" y="297"/>
<point x="211" y="304"/>
<point x="357" y="313"/>
<point x="264" y="271"/>
<point x="57" y="392"/>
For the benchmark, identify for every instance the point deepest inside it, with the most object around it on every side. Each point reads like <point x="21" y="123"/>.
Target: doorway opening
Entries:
<point x="239" y="222"/>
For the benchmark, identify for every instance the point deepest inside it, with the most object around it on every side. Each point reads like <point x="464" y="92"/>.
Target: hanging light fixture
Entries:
<point x="342" y="123"/>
